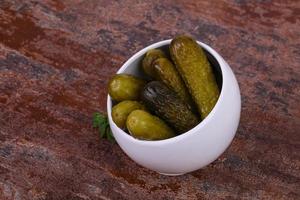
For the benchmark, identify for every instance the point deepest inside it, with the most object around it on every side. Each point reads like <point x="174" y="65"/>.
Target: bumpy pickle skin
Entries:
<point x="196" y="72"/>
<point x="121" y="111"/>
<point x="164" y="103"/>
<point x="142" y="125"/>
<point x="148" y="60"/>
<point x="166" y="72"/>
<point x="125" y="87"/>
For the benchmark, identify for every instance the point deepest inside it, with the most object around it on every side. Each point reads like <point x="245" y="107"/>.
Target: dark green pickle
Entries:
<point x="164" y="103"/>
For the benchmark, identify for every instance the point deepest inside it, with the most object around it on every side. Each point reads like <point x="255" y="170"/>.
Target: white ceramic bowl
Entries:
<point x="199" y="146"/>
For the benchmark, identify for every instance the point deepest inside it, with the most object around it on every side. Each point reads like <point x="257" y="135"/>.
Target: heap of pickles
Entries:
<point x="181" y="93"/>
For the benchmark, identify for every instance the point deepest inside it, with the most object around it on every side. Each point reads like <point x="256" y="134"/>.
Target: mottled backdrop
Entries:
<point x="56" y="58"/>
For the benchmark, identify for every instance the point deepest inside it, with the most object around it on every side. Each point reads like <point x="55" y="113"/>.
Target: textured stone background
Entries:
<point x="56" y="58"/>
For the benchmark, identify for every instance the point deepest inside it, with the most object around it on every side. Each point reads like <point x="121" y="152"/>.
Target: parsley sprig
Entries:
<point x="100" y="121"/>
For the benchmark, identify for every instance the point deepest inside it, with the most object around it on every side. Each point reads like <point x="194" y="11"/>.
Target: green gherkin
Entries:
<point x="195" y="70"/>
<point x="148" y="60"/>
<point x="125" y="87"/>
<point x="143" y="125"/>
<point x="120" y="111"/>
<point x="167" y="73"/>
<point x="164" y="103"/>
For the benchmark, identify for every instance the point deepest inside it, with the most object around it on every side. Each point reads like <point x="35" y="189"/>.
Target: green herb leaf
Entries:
<point x="100" y="121"/>
<point x="109" y="135"/>
<point x="95" y="120"/>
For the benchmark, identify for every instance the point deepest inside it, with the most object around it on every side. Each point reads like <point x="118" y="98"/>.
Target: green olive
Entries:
<point x="122" y="110"/>
<point x="125" y="87"/>
<point x="148" y="60"/>
<point x="143" y="125"/>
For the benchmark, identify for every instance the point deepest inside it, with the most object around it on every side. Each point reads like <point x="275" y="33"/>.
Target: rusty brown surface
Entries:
<point x="56" y="58"/>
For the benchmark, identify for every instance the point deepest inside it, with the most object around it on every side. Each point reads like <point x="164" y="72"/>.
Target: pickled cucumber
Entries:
<point x="148" y="60"/>
<point x="166" y="72"/>
<point x="195" y="70"/>
<point x="125" y="87"/>
<point x="164" y="103"/>
<point x="143" y="125"/>
<point x="122" y="110"/>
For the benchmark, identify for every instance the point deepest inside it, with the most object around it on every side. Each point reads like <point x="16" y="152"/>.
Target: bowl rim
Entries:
<point x="192" y="131"/>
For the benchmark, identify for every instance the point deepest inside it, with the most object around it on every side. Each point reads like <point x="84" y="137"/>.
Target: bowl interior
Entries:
<point x="216" y="69"/>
